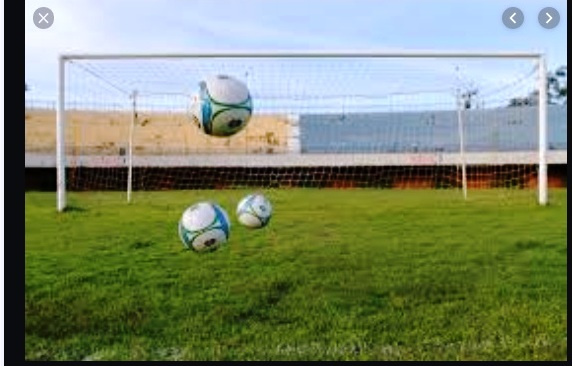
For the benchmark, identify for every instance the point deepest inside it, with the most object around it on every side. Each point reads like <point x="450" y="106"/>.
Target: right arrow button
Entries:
<point x="549" y="18"/>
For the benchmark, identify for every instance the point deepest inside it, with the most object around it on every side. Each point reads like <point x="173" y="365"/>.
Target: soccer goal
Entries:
<point x="454" y="122"/>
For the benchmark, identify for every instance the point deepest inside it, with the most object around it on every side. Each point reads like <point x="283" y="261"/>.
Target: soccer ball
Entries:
<point x="254" y="211"/>
<point x="204" y="227"/>
<point x="223" y="106"/>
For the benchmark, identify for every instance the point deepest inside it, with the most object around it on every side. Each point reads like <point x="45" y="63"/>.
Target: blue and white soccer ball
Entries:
<point x="222" y="107"/>
<point x="204" y="227"/>
<point x="254" y="211"/>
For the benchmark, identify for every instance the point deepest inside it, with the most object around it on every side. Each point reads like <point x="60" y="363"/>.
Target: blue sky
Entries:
<point x="168" y="26"/>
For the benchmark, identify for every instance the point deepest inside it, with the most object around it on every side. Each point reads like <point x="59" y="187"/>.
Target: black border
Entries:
<point x="14" y="246"/>
<point x="568" y="170"/>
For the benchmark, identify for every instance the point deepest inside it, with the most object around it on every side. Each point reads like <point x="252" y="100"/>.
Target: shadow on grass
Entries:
<point x="74" y="209"/>
<point x="141" y="244"/>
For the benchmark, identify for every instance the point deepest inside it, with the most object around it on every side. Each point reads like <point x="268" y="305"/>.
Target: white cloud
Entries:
<point x="153" y="26"/>
<point x="73" y="30"/>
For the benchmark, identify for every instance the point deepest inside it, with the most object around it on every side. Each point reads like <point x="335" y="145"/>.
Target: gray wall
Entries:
<point x="502" y="129"/>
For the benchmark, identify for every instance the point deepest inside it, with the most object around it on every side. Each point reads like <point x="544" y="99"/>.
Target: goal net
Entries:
<point x="462" y="125"/>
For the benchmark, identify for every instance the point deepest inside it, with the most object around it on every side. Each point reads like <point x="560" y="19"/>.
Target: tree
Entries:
<point x="560" y="84"/>
<point x="556" y="88"/>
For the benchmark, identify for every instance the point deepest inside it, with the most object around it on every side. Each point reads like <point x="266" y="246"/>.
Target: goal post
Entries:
<point x="60" y="136"/>
<point x="460" y="116"/>
<point x="542" y="132"/>
<point x="312" y="89"/>
<point x="133" y="97"/>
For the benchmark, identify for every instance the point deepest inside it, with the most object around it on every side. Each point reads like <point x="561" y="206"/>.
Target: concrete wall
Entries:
<point x="486" y="130"/>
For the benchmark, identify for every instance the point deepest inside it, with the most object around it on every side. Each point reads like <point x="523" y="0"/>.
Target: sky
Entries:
<point x="186" y="26"/>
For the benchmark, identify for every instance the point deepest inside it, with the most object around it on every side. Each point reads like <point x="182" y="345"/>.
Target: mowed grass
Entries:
<point x="337" y="275"/>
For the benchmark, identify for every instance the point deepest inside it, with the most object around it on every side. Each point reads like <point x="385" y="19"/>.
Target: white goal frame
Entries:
<point x="535" y="56"/>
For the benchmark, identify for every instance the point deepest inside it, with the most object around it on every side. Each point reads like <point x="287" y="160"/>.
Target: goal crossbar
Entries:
<point x="309" y="54"/>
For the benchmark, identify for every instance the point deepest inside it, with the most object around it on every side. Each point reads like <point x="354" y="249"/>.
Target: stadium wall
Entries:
<point x="486" y="130"/>
<point x="157" y="178"/>
<point x="410" y="149"/>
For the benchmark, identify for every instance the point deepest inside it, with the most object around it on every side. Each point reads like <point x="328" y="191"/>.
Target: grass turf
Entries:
<point x="337" y="275"/>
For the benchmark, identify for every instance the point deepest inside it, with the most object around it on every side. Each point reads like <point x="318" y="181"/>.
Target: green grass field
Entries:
<point x="337" y="275"/>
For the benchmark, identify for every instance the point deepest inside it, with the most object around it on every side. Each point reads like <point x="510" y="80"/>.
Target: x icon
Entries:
<point x="43" y="18"/>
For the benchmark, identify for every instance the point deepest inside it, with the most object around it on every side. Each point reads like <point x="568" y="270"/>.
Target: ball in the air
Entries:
<point x="222" y="107"/>
<point x="204" y="227"/>
<point x="254" y="211"/>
